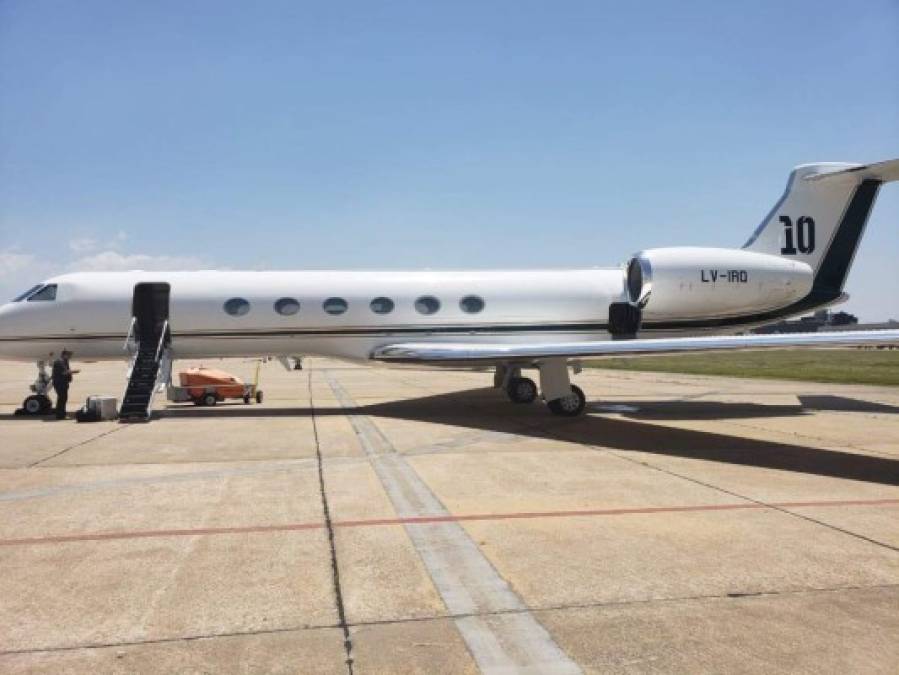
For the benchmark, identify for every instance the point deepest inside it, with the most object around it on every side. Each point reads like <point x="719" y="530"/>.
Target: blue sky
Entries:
<point x="410" y="134"/>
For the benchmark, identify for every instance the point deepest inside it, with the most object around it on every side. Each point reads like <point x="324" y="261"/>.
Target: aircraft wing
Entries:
<point x="447" y="353"/>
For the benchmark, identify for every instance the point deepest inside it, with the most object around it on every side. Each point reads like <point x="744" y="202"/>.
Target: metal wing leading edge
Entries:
<point x="465" y="353"/>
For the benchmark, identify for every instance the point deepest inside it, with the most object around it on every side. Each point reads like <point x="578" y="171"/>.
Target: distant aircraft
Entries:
<point x="663" y="300"/>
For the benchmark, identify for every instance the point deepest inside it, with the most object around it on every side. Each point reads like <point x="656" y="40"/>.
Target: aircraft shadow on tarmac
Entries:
<point x="487" y="410"/>
<point x="718" y="410"/>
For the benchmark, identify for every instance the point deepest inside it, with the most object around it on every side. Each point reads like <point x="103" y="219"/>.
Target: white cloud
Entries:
<point x="20" y="270"/>
<point x="13" y="263"/>
<point x="88" y="244"/>
<point x="81" y="245"/>
<point x="112" y="261"/>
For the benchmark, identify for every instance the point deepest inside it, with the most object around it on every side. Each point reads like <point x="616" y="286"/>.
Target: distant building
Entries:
<point x="883" y="325"/>
<point x="824" y="321"/>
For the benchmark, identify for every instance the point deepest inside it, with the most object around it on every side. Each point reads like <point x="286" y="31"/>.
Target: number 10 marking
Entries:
<point x="805" y="235"/>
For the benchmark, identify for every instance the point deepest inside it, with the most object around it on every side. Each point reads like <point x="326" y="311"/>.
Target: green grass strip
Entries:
<point x="843" y="366"/>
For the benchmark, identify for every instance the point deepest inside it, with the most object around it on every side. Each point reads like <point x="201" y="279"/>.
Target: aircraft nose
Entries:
<point x="7" y="322"/>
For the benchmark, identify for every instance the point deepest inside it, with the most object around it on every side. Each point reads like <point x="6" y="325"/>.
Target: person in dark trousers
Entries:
<point x="62" y="377"/>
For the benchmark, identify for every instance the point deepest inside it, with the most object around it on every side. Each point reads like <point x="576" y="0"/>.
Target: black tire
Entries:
<point x="36" y="404"/>
<point x="210" y="399"/>
<point x="197" y="401"/>
<point x="571" y="405"/>
<point x="246" y="399"/>
<point x="258" y="397"/>
<point x="522" y="390"/>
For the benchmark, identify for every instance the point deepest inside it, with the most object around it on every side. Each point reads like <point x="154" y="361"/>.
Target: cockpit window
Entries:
<point x="46" y="294"/>
<point x="24" y="295"/>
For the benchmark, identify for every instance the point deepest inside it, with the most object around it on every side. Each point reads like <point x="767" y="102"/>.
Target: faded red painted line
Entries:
<point x="425" y="520"/>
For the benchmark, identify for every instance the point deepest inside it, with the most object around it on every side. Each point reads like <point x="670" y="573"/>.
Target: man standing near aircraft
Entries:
<point x="62" y="377"/>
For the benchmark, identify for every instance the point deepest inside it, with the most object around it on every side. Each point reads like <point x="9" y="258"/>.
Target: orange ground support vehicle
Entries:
<point x="208" y="386"/>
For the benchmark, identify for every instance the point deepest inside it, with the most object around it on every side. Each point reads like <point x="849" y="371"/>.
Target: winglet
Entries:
<point x="881" y="171"/>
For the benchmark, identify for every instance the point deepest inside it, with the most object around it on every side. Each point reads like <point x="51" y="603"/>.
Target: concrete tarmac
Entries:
<point x="369" y="520"/>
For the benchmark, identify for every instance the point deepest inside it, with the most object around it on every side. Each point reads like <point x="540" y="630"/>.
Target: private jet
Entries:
<point x="661" y="301"/>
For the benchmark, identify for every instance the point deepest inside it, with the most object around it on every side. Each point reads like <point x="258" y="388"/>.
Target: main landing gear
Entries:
<point x="522" y="390"/>
<point x="562" y="398"/>
<point x="39" y="402"/>
<point x="571" y="405"/>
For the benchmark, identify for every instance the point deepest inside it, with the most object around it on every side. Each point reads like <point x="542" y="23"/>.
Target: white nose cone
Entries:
<point x="7" y="321"/>
<point x="19" y="333"/>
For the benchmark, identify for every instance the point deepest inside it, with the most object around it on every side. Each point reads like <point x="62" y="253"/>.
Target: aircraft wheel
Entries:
<point x="522" y="390"/>
<point x="210" y="399"/>
<point x="36" y="404"/>
<point x="571" y="405"/>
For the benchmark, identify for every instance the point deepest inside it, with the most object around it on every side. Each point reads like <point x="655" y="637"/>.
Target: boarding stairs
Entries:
<point x="150" y="367"/>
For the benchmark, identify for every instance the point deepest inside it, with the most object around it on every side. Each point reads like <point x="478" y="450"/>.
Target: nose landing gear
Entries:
<point x="39" y="402"/>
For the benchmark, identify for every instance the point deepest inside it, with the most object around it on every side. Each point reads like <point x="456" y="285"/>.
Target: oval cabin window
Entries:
<point x="335" y="306"/>
<point x="382" y="305"/>
<point x="427" y="304"/>
<point x="237" y="307"/>
<point x="287" y="306"/>
<point x="471" y="304"/>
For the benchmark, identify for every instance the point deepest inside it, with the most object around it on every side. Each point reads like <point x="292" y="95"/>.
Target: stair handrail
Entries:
<point x="131" y="362"/>
<point x="162" y="373"/>
<point x="162" y="354"/>
<point x="162" y="335"/>
<point x="128" y="338"/>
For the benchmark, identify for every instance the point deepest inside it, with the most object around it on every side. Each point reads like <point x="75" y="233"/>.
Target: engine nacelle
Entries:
<point x="708" y="283"/>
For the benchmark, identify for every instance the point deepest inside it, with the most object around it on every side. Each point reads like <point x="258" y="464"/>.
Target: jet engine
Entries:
<point x="707" y="283"/>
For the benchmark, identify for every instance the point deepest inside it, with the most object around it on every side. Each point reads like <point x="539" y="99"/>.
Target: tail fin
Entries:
<point x="820" y="219"/>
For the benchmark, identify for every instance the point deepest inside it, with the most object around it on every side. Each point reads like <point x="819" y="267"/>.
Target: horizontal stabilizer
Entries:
<point x="462" y="352"/>
<point x="880" y="171"/>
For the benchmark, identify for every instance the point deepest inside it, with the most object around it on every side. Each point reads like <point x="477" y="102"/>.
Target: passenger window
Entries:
<point x="287" y="306"/>
<point x="335" y="306"/>
<point x="427" y="304"/>
<point x="237" y="307"/>
<point x="382" y="305"/>
<point x="471" y="304"/>
<point x="46" y="294"/>
<point x="24" y="295"/>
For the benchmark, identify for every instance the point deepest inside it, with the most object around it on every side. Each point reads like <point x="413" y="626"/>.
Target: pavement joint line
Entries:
<point x="466" y="580"/>
<point x="450" y="617"/>
<point x="51" y="491"/>
<point x="187" y="548"/>
<point x="468" y="439"/>
<point x="326" y="512"/>
<point x="794" y="434"/>
<point x="178" y="462"/>
<point x="437" y="519"/>
<point x="743" y="425"/>
<point x="119" y="427"/>
<point x="782" y="508"/>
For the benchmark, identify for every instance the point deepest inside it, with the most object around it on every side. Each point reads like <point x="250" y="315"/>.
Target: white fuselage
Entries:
<point x="796" y="261"/>
<point x="92" y="311"/>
